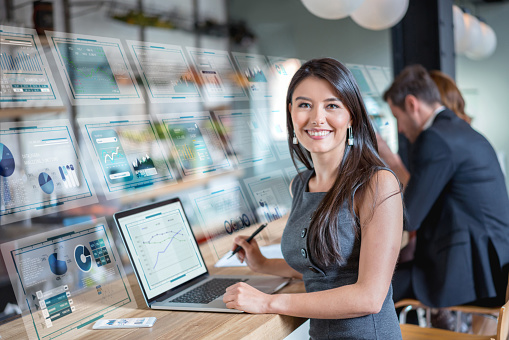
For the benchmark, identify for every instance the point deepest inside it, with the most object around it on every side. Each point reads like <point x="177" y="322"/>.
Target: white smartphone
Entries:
<point x="124" y="323"/>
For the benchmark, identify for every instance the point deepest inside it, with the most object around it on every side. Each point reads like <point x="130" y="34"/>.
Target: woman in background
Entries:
<point x="344" y="231"/>
<point x="450" y="94"/>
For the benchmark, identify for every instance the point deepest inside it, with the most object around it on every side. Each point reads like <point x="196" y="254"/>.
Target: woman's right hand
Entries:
<point x="250" y="253"/>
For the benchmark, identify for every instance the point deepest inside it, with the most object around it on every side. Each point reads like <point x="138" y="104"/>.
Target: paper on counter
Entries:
<point x="271" y="252"/>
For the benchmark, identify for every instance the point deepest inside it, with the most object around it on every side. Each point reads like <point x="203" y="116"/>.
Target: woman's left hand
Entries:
<point x="243" y="297"/>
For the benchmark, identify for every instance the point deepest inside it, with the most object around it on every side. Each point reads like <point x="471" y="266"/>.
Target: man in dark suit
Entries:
<point x="456" y="201"/>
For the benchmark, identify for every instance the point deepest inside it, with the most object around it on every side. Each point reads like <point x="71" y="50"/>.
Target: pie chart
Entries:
<point x="57" y="267"/>
<point x="7" y="164"/>
<point x="46" y="183"/>
<point x="83" y="258"/>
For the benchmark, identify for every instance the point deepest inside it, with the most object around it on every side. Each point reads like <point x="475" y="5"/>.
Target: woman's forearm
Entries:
<point x="339" y="303"/>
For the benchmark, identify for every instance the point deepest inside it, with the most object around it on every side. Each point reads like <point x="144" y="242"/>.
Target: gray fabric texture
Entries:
<point x="383" y="325"/>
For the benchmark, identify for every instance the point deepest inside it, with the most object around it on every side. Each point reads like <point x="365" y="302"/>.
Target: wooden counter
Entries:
<point x="186" y="325"/>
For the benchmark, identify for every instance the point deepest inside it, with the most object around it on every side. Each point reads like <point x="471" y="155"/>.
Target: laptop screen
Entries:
<point x="161" y="246"/>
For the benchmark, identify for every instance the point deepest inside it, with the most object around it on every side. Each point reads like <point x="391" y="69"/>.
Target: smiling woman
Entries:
<point x="344" y="230"/>
<point x="320" y="118"/>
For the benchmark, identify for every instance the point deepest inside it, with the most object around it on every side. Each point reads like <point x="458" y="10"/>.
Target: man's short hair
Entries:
<point x="414" y="80"/>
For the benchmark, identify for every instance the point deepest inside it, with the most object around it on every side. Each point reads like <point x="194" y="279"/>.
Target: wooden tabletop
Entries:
<point x="186" y="325"/>
<point x="191" y="325"/>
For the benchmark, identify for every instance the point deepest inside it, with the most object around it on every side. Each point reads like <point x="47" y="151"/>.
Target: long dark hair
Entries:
<point x="359" y="164"/>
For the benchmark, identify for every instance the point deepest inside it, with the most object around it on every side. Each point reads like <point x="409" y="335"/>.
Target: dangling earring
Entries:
<point x="350" y="135"/>
<point x="295" y="140"/>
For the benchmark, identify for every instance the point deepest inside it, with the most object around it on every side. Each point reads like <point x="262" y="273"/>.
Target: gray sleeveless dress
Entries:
<point x="383" y="325"/>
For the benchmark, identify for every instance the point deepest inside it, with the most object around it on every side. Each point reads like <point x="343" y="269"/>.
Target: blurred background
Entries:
<point x="151" y="99"/>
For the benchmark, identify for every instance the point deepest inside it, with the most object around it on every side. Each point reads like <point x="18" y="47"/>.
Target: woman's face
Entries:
<point x="320" y="119"/>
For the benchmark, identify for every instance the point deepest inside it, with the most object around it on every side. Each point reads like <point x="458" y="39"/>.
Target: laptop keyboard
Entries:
<point x="206" y="292"/>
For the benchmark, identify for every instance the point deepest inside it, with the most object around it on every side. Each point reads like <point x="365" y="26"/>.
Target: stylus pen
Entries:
<point x="249" y="239"/>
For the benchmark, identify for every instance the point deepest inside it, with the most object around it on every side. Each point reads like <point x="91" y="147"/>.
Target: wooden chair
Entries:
<point x="414" y="332"/>
<point x="411" y="304"/>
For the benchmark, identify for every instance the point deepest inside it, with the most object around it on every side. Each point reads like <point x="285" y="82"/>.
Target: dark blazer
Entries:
<point x="457" y="201"/>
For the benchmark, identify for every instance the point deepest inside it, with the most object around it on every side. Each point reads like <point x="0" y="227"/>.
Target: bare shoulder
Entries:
<point x="382" y="186"/>
<point x="385" y="183"/>
<point x="382" y="199"/>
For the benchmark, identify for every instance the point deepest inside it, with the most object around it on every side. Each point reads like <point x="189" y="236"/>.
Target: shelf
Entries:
<point x="20" y="112"/>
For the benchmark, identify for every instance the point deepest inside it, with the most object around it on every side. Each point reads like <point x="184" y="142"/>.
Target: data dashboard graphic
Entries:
<point x="283" y="70"/>
<point x="46" y="183"/>
<point x="379" y="78"/>
<point x="246" y="137"/>
<point x="57" y="267"/>
<point x="33" y="181"/>
<point x="291" y="172"/>
<point x="275" y="123"/>
<point x="94" y="69"/>
<point x="363" y="79"/>
<point x="217" y="73"/>
<point x="165" y="72"/>
<point x="254" y="67"/>
<point x="223" y="212"/>
<point x="196" y="144"/>
<point x="26" y="77"/>
<point x="57" y="285"/>
<point x="127" y="153"/>
<point x="164" y="247"/>
<point x="270" y="194"/>
<point x="7" y="163"/>
<point x="83" y="258"/>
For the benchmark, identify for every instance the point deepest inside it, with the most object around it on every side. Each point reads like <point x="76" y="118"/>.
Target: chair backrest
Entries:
<point x="503" y="323"/>
<point x="503" y="318"/>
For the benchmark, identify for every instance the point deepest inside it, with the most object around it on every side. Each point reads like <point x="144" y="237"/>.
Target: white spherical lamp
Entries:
<point x="460" y="42"/>
<point x="487" y="45"/>
<point x="380" y="14"/>
<point x="332" y="9"/>
<point x="473" y="33"/>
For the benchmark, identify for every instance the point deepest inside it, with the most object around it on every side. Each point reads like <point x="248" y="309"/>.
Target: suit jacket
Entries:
<point x="457" y="201"/>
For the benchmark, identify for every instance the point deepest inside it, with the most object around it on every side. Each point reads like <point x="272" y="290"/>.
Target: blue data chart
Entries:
<point x="57" y="267"/>
<point x="7" y="163"/>
<point x="100" y="251"/>
<point x="83" y="258"/>
<point x="165" y="72"/>
<point x="164" y="246"/>
<point x="59" y="288"/>
<point x="270" y="194"/>
<point x="247" y="137"/>
<point x="196" y="143"/>
<point x="46" y="183"/>
<point x="127" y="153"/>
<point x="24" y="70"/>
<point x="89" y="69"/>
<point x="21" y="61"/>
<point x="40" y="170"/>
<point x="223" y="212"/>
<point x="254" y="68"/>
<point x="275" y="124"/>
<point x="363" y="79"/>
<point x="95" y="70"/>
<point x="217" y="74"/>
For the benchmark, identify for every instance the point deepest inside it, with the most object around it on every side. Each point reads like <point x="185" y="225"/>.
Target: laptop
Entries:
<point x="169" y="265"/>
